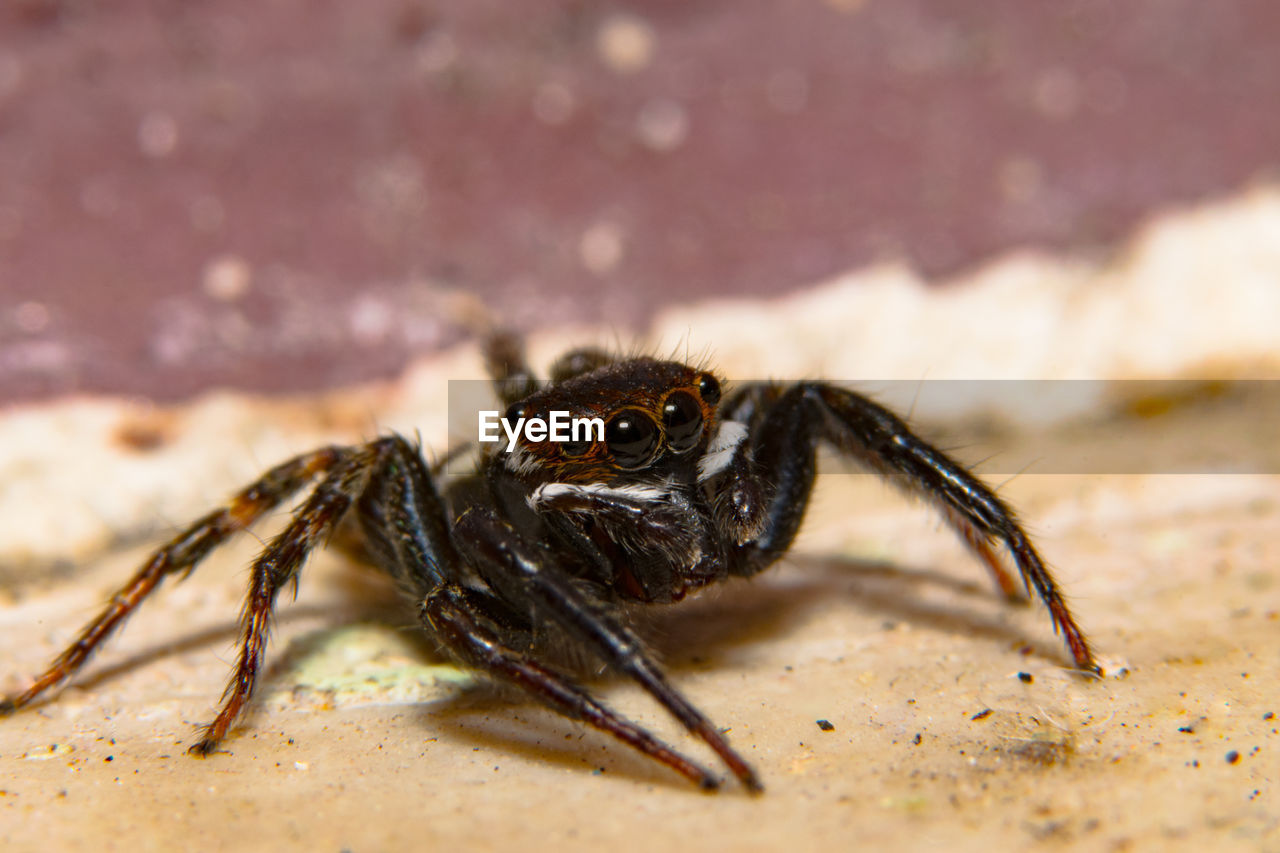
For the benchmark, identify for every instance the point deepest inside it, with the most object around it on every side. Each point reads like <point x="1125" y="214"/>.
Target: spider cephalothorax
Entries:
<point x="655" y="414"/>
<point x="681" y="486"/>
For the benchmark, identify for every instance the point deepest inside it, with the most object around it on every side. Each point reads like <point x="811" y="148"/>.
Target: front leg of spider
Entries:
<point x="406" y="526"/>
<point x="518" y="569"/>
<point x="786" y="426"/>
<point x="471" y="626"/>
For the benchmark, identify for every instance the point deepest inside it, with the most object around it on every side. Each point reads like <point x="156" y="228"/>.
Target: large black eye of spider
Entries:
<point x="709" y="388"/>
<point x="632" y="437"/>
<point x="682" y="419"/>
<point x="576" y="448"/>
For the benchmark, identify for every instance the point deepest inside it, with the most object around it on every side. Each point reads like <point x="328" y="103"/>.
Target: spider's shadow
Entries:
<point x="755" y="611"/>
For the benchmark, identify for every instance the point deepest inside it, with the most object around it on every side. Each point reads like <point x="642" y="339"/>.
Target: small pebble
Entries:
<point x="826" y="726"/>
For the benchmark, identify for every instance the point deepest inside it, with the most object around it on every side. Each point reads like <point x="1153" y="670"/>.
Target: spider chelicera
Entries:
<point x="554" y="540"/>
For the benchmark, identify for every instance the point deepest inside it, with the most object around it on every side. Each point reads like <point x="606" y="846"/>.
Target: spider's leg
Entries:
<point x="407" y="532"/>
<point x="979" y="542"/>
<point x="278" y="565"/>
<point x="516" y="569"/>
<point x="181" y="554"/>
<point x="456" y="616"/>
<point x="405" y="521"/>
<point x="578" y="361"/>
<point x="504" y="358"/>
<point x="784" y="439"/>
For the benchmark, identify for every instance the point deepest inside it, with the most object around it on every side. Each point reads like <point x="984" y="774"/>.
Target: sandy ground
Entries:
<point x="953" y="717"/>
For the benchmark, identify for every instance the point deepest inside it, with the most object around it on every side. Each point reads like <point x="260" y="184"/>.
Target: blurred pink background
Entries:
<point x="290" y="195"/>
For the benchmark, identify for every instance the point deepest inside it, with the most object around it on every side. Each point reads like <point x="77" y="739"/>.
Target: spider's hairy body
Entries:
<point x="686" y="488"/>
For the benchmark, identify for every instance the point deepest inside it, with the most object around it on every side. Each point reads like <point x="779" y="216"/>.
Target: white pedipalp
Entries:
<point x="721" y="450"/>
<point x="549" y="491"/>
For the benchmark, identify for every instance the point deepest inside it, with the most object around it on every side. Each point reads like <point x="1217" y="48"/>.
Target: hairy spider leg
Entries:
<point x="405" y="522"/>
<point x="408" y="535"/>
<point x="507" y="561"/>
<point x="513" y="378"/>
<point x="979" y="543"/>
<point x="786" y="426"/>
<point x="579" y="361"/>
<point x="454" y="616"/>
<point x="277" y="566"/>
<point x="182" y="554"/>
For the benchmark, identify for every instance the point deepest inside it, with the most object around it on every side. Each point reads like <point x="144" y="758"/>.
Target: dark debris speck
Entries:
<point x="1232" y="757"/>
<point x="1026" y="677"/>
<point x="982" y="715"/>
<point x="825" y="725"/>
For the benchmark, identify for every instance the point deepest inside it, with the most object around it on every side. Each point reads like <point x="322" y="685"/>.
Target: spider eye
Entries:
<point x="575" y="448"/>
<point x="632" y="438"/>
<point x="682" y="418"/>
<point x="514" y="413"/>
<point x="709" y="388"/>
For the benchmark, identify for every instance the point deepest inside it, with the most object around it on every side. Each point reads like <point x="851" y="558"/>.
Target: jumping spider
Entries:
<point x="687" y="487"/>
